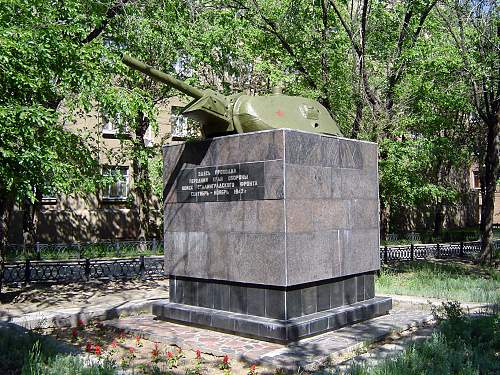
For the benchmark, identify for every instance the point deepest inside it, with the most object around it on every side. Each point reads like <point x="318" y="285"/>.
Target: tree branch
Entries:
<point x="346" y="28"/>
<point x="270" y="26"/>
<point x="110" y="14"/>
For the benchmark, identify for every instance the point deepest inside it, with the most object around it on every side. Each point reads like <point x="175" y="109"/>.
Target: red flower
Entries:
<point x="226" y="359"/>
<point x="80" y="323"/>
<point x="170" y="355"/>
<point x="88" y="347"/>
<point x="74" y="333"/>
<point x="198" y="354"/>
<point x="155" y="353"/>
<point x="113" y="344"/>
<point x="252" y="369"/>
<point x="98" y="350"/>
<point x="131" y="350"/>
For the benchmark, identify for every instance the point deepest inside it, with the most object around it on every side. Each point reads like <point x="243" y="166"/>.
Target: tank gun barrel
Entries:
<point x="162" y="77"/>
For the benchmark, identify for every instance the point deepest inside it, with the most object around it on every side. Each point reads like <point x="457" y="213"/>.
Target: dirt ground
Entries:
<point x="35" y="298"/>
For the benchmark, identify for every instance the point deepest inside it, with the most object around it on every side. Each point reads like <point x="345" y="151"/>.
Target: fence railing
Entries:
<point x="82" y="250"/>
<point x="33" y="271"/>
<point x="429" y="237"/>
<point x="437" y="250"/>
<point x="74" y="270"/>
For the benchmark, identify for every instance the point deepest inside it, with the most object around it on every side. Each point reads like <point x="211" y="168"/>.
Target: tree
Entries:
<point x="151" y="32"/>
<point x="474" y="27"/>
<point x="51" y="58"/>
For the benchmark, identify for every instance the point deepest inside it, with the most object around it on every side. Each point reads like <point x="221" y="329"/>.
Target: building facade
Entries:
<point x="109" y="213"/>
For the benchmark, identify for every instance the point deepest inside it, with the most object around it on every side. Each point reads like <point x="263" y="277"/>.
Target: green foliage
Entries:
<point x="37" y="151"/>
<point x="451" y="280"/>
<point x="60" y="59"/>
<point x="404" y="173"/>
<point x="45" y="62"/>
<point x="63" y="365"/>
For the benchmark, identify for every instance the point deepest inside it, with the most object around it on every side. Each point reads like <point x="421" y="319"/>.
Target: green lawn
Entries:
<point x="449" y="279"/>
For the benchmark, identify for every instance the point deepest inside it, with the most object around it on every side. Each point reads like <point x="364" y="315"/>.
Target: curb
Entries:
<point x="415" y="300"/>
<point x="315" y="366"/>
<point x="70" y="317"/>
<point x="320" y="360"/>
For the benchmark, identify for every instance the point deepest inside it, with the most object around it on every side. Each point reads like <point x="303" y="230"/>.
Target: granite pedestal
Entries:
<point x="271" y="234"/>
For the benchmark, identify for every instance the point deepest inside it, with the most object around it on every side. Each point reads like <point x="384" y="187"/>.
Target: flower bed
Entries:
<point x="113" y="348"/>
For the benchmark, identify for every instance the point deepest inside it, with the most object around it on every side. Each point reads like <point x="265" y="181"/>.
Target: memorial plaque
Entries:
<point x="225" y="183"/>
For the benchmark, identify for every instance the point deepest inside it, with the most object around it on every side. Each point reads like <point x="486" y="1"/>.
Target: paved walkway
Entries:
<point x="85" y="296"/>
<point x="386" y="350"/>
<point x="64" y="304"/>
<point x="308" y="353"/>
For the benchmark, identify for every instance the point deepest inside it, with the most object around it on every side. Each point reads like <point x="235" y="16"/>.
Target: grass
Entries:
<point x="461" y="345"/>
<point x="450" y="279"/>
<point x="26" y="353"/>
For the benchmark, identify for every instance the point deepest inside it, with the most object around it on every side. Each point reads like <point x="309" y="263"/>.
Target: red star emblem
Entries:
<point x="280" y="113"/>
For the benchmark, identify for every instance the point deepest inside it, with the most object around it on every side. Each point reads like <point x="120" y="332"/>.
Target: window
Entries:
<point x="116" y="190"/>
<point x="113" y="125"/>
<point x="476" y="181"/>
<point x="180" y="126"/>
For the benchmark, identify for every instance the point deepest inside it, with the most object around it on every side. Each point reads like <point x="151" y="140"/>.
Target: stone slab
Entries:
<point x="272" y="302"/>
<point x="295" y="207"/>
<point x="275" y="330"/>
<point x="68" y="317"/>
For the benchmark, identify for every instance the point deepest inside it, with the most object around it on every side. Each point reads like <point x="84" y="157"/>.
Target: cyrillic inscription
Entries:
<point x="221" y="184"/>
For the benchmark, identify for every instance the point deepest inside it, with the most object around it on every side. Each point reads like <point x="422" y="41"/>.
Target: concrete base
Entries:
<point x="275" y="330"/>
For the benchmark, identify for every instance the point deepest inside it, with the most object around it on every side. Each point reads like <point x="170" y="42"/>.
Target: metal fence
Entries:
<point x="75" y="270"/>
<point x="33" y="271"/>
<point x="429" y="237"/>
<point x="437" y="250"/>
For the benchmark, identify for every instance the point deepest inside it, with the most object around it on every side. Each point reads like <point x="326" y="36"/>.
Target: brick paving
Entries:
<point x="306" y="353"/>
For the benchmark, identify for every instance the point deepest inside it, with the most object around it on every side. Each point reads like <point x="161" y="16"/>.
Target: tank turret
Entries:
<point x="240" y="113"/>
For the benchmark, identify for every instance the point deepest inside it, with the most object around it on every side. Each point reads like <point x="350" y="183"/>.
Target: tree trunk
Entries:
<point x="356" y="126"/>
<point x="142" y="183"/>
<point x="31" y="215"/>
<point x="490" y="178"/>
<point x="384" y="219"/>
<point x="3" y="235"/>
<point x="438" y="218"/>
<point x="6" y="208"/>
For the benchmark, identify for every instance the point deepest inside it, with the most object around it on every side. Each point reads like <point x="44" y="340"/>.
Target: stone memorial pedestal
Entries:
<point x="273" y="234"/>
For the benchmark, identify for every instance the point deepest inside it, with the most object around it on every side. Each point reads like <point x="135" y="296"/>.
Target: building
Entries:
<point x="109" y="213"/>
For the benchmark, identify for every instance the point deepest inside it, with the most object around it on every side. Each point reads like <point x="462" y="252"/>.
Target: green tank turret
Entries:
<point x="240" y="113"/>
